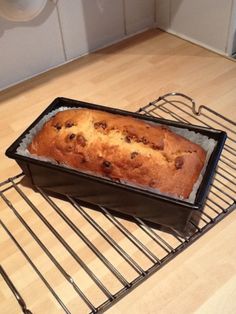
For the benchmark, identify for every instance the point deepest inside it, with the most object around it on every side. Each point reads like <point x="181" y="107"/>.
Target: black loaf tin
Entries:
<point x="122" y="199"/>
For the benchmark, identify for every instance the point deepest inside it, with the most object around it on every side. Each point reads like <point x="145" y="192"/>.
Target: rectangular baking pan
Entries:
<point x="121" y="198"/>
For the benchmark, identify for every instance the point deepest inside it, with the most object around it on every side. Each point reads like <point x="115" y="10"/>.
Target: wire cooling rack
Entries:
<point x="64" y="257"/>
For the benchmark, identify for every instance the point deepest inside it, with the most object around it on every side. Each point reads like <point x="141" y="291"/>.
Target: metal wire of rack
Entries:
<point x="107" y="256"/>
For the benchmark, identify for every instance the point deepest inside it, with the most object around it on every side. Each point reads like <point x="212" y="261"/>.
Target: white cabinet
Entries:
<point x="89" y="24"/>
<point x="203" y="21"/>
<point x="29" y="48"/>
<point x="67" y="29"/>
<point x="231" y="47"/>
<point x="139" y="14"/>
<point x="163" y="14"/>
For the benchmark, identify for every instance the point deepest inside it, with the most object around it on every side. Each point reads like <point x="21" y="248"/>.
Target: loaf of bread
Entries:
<point x="122" y="148"/>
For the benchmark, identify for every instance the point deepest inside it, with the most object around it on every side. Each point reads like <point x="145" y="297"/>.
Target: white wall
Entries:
<point x="211" y="23"/>
<point x="65" y="31"/>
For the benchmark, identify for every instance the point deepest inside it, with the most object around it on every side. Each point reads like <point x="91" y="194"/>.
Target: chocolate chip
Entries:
<point x="179" y="161"/>
<point x="144" y="140"/>
<point x="58" y="126"/>
<point x="159" y="146"/>
<point x="152" y="183"/>
<point x="128" y="139"/>
<point x="71" y="136"/>
<point x="133" y="155"/>
<point x="69" y="124"/>
<point x="100" y="124"/>
<point x="155" y="147"/>
<point x="106" y="166"/>
<point x="81" y="140"/>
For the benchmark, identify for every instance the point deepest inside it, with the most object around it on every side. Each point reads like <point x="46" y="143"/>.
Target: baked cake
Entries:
<point x="122" y="148"/>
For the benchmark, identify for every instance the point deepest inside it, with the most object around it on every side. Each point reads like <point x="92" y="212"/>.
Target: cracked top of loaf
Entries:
<point x="121" y="148"/>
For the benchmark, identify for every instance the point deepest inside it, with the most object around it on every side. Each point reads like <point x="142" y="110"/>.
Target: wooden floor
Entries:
<point x="129" y="75"/>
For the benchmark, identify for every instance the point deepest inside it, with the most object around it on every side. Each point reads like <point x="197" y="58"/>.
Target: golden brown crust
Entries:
<point x="121" y="148"/>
